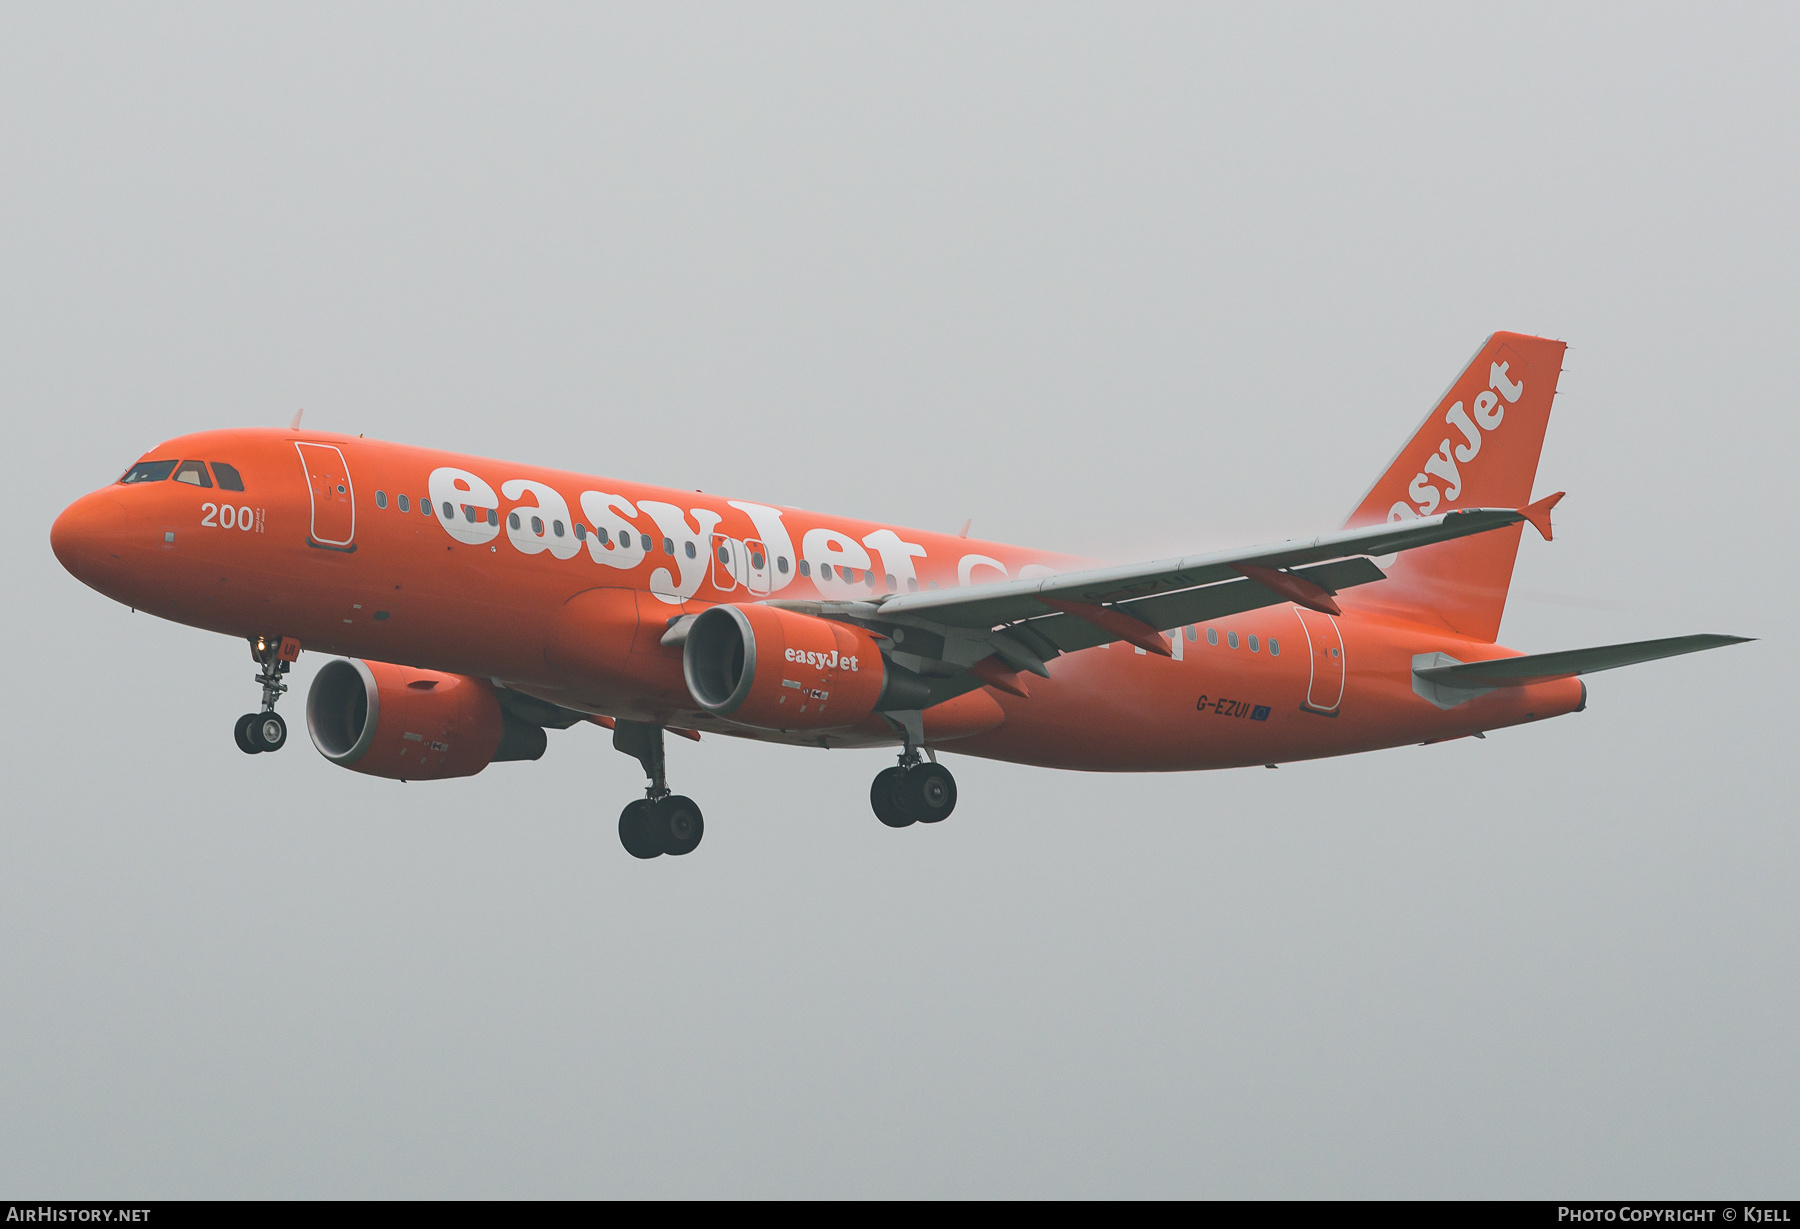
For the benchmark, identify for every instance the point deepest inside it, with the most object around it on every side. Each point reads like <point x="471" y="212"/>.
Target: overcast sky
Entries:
<point x="1116" y="280"/>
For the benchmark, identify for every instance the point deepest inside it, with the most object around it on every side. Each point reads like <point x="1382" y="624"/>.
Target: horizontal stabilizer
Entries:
<point x="1542" y="667"/>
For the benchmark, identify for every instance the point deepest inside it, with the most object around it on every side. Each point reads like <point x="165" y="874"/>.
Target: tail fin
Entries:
<point x="1477" y="449"/>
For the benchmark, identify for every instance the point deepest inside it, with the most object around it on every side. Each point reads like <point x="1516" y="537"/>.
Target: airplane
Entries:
<point x="470" y="605"/>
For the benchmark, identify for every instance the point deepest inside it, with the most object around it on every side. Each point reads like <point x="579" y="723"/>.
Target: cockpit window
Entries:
<point x="193" y="473"/>
<point x="149" y="471"/>
<point x="228" y="477"/>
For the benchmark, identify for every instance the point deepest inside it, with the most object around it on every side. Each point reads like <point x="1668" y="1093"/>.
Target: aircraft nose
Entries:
<point x="86" y="537"/>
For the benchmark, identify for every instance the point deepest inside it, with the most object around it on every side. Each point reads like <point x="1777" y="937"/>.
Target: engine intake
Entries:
<point x="778" y="669"/>
<point x="412" y="725"/>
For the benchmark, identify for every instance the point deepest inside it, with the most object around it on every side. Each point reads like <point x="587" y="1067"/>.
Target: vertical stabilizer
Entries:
<point x="1477" y="449"/>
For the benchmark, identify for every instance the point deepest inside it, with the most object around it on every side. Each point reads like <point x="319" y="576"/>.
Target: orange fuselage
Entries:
<point x="562" y="585"/>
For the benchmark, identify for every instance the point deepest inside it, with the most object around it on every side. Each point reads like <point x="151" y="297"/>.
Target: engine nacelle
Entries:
<point x="781" y="670"/>
<point x="412" y="725"/>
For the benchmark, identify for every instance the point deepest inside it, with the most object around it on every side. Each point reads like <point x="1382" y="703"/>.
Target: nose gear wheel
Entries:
<point x="265" y="730"/>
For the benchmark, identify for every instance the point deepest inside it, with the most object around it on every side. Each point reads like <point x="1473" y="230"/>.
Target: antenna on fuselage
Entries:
<point x="295" y="425"/>
<point x="964" y="531"/>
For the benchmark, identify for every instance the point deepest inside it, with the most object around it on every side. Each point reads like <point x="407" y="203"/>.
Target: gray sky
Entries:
<point x="1109" y="280"/>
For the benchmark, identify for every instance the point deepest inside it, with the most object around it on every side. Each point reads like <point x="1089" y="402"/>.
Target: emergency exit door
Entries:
<point x="333" y="523"/>
<point x="743" y="563"/>
<point x="1325" y="688"/>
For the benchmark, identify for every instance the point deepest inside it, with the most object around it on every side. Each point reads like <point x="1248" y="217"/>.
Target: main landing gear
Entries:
<point x="913" y="791"/>
<point x="660" y="822"/>
<point x="265" y="730"/>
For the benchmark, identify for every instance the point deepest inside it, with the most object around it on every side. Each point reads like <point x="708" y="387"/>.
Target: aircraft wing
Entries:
<point x="1027" y="621"/>
<point x="1077" y="610"/>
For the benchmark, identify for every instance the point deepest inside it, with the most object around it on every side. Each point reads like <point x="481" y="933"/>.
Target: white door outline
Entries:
<point x="726" y="562"/>
<point x="1335" y="645"/>
<point x="759" y="580"/>
<point x="350" y="488"/>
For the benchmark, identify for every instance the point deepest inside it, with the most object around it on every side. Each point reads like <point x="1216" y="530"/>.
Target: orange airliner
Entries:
<point x="474" y="604"/>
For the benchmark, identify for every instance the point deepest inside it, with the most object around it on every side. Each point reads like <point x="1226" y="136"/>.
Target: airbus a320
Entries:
<point x="471" y="605"/>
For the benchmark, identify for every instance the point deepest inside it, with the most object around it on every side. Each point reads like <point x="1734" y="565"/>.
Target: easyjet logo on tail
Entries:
<point x="1446" y="466"/>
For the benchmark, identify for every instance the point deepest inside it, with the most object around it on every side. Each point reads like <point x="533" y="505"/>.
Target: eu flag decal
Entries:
<point x="1260" y="713"/>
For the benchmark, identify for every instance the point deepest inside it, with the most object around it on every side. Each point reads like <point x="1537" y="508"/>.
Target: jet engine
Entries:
<point x="779" y="669"/>
<point x="412" y="725"/>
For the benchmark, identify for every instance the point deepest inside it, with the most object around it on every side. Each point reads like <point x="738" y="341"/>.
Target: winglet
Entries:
<point x="1296" y="589"/>
<point x="1539" y="513"/>
<point x="1126" y="627"/>
<point x="990" y="671"/>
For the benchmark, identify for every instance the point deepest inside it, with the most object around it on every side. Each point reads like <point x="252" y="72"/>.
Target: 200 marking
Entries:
<point x="229" y="516"/>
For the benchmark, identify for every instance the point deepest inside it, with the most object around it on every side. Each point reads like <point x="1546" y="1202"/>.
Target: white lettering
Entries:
<point x="965" y="567"/>
<point x="1459" y="418"/>
<point x="1488" y="411"/>
<point x="614" y="514"/>
<point x="896" y="557"/>
<point x="468" y="500"/>
<point x="551" y="510"/>
<point x="1444" y="466"/>
<point x="1424" y="493"/>
<point x="690" y="549"/>
<point x="1509" y="390"/>
<point x="828" y="548"/>
<point x="776" y="543"/>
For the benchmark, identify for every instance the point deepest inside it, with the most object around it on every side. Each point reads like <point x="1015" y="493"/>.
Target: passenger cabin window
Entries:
<point x="669" y="546"/>
<point x="1254" y="647"/>
<point x="1231" y="639"/>
<point x="149" y="471"/>
<point x="645" y="541"/>
<point x="1212" y="636"/>
<point x="537" y="526"/>
<point x="193" y="473"/>
<point x="404" y="505"/>
<point x="229" y="479"/>
<point x="381" y="499"/>
<point x="756" y="560"/>
<point x="691" y="552"/>
<point x="605" y="539"/>
<point x="1193" y="633"/>
<point x="781" y="564"/>
<point x="512" y="520"/>
<point x="556" y="527"/>
<point x="1274" y="647"/>
<point x="580" y="532"/>
<point x="805" y="568"/>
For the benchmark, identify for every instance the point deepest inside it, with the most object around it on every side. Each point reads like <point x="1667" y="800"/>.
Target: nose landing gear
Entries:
<point x="265" y="730"/>
<point x="660" y="822"/>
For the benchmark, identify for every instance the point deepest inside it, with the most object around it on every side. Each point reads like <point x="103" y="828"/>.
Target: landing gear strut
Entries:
<point x="913" y="791"/>
<point x="660" y="822"/>
<point x="265" y="730"/>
